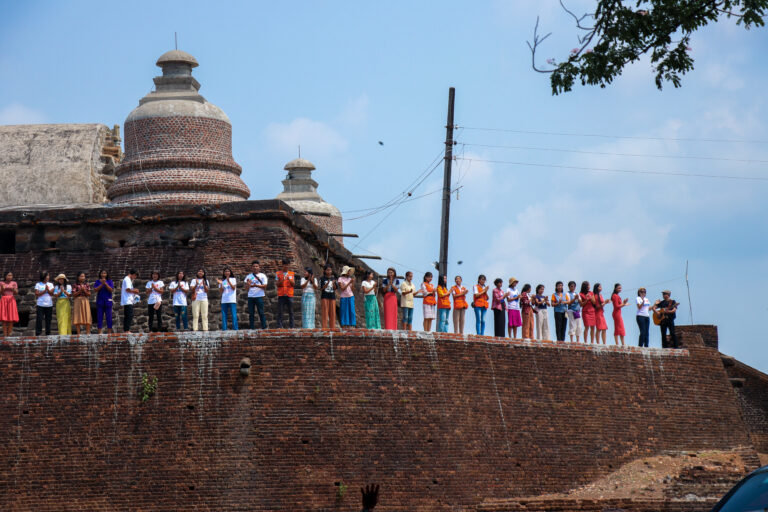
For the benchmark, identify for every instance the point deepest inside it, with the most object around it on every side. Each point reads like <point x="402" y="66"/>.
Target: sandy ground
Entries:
<point x="648" y="478"/>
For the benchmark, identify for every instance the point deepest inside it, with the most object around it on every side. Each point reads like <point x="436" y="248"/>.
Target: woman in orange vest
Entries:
<point x="427" y="292"/>
<point x="443" y="303"/>
<point x="459" y="305"/>
<point x="480" y="304"/>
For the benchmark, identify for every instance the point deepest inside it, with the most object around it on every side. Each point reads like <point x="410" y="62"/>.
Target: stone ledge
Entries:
<point x="335" y="335"/>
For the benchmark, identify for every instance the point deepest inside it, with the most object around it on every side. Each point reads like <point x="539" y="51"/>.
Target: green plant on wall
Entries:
<point x="148" y="387"/>
<point x="341" y="491"/>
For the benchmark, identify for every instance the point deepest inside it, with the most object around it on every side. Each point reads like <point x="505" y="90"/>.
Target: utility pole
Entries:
<point x="445" y="217"/>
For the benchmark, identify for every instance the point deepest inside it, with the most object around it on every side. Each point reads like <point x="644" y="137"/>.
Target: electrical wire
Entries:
<point x="558" y="150"/>
<point x="624" y="171"/>
<point x="604" y="136"/>
<point x="405" y="192"/>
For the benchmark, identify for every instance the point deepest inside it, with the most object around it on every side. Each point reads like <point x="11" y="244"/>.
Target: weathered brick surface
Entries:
<point x="443" y="423"/>
<point x="753" y="398"/>
<point x="708" y="333"/>
<point x="169" y="239"/>
<point x="181" y="159"/>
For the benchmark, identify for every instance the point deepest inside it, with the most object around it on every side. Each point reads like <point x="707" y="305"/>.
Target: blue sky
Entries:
<point x="337" y="77"/>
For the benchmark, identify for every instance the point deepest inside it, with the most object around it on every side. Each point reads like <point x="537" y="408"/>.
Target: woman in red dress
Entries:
<point x="587" y="311"/>
<point x="600" y="323"/>
<point x="618" y="321"/>
<point x="9" y="314"/>
<point x="390" y="285"/>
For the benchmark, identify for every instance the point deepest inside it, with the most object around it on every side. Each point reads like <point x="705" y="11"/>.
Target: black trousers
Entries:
<point x="499" y="315"/>
<point x="151" y="312"/>
<point x="43" y="314"/>
<point x="665" y="325"/>
<point x="284" y="302"/>
<point x="643" y="322"/>
<point x="560" y="323"/>
<point x="256" y="303"/>
<point x="127" y="318"/>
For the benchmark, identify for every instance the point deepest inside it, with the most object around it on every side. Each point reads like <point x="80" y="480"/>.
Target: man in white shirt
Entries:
<point x="129" y="296"/>
<point x="256" y="284"/>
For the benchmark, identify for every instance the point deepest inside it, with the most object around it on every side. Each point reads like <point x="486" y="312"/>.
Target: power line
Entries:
<point x="558" y="150"/>
<point x="405" y="192"/>
<point x="624" y="171"/>
<point x="604" y="136"/>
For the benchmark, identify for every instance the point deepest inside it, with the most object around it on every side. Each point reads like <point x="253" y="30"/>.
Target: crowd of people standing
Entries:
<point x="576" y="314"/>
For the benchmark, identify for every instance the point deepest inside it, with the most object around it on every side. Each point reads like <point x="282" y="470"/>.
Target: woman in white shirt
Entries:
<point x="199" y="286"/>
<point x="369" y="288"/>
<point x="643" y="317"/>
<point x="179" y="289"/>
<point x="228" y="285"/>
<point x="155" y="287"/>
<point x="44" y="311"/>
<point x="308" y="299"/>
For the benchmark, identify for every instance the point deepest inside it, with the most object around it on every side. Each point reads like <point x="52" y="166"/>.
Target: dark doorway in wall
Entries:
<point x="23" y="319"/>
<point x="7" y="241"/>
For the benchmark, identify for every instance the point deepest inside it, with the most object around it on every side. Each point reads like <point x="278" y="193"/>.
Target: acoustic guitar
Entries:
<point x="658" y="316"/>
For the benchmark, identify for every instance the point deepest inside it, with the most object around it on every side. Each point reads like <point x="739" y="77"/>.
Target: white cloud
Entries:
<point x="722" y="76"/>
<point x="355" y="112"/>
<point x="16" y="113"/>
<point x="316" y="138"/>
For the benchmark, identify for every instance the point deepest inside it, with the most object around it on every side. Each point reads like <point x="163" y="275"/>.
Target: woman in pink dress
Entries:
<point x="587" y="311"/>
<point x="390" y="286"/>
<point x="618" y="321"/>
<point x="600" y="324"/>
<point x="9" y="313"/>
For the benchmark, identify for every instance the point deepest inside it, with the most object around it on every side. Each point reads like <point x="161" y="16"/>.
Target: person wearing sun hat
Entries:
<point x="347" y="302"/>
<point x="63" y="291"/>
<point x="514" y="317"/>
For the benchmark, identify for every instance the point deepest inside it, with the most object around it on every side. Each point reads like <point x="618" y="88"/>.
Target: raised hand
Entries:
<point x="370" y="496"/>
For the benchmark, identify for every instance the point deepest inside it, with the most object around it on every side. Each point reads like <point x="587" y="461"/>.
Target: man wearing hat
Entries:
<point x="667" y="308"/>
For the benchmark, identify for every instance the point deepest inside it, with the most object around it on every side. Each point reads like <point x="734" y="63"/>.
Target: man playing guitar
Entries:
<point x="664" y="313"/>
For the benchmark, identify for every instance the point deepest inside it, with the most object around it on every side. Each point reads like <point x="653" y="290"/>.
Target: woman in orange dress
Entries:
<point x="600" y="324"/>
<point x="9" y="313"/>
<point x="587" y="312"/>
<point x="526" y="312"/>
<point x="618" y="321"/>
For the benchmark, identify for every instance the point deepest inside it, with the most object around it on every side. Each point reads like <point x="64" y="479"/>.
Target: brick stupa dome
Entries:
<point x="300" y="193"/>
<point x="178" y="146"/>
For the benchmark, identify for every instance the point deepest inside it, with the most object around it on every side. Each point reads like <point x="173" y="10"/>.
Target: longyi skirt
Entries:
<point x="8" y="310"/>
<point x="64" y="316"/>
<point x="372" y="316"/>
<point x="81" y="311"/>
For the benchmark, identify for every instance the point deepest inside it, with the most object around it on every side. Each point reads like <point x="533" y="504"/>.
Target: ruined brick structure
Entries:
<point x="443" y="422"/>
<point x="167" y="239"/>
<point x="178" y="146"/>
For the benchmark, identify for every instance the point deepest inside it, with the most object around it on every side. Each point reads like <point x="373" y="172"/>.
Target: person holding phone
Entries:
<point x="618" y="322"/>
<point x="328" y="287"/>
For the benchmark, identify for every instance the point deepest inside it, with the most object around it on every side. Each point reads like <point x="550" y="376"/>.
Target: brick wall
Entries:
<point x="708" y="333"/>
<point x="752" y="391"/>
<point x="443" y="423"/>
<point x="168" y="239"/>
